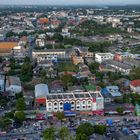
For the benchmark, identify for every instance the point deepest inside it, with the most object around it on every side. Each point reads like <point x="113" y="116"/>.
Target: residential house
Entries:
<point x="101" y="57"/>
<point x="13" y="85"/>
<point x="110" y="93"/>
<point x="56" y="86"/>
<point x="135" y="86"/>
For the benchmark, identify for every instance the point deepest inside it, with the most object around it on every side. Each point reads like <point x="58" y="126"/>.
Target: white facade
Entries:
<point x="48" y="55"/>
<point x="100" y="57"/>
<point x="82" y="101"/>
<point x="135" y="89"/>
<point x="40" y="42"/>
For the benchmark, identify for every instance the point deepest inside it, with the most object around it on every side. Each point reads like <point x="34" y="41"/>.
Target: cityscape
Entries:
<point x="70" y="70"/>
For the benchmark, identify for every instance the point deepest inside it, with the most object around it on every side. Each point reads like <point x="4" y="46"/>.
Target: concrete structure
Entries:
<point x="41" y="92"/>
<point x="80" y="101"/>
<point x="2" y="83"/>
<point x="49" y="54"/>
<point x="13" y="85"/>
<point x="100" y="57"/>
<point x="117" y="66"/>
<point x="135" y="86"/>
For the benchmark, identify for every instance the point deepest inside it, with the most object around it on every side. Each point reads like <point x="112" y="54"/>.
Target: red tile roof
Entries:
<point x="135" y="83"/>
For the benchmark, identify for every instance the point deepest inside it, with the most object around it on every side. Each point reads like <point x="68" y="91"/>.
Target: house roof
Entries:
<point x="135" y="83"/>
<point x="13" y="80"/>
<point x="6" y="47"/>
<point x="41" y="90"/>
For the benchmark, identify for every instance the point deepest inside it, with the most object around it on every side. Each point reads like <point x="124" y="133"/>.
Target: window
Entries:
<point x="55" y="108"/>
<point x="49" y="104"/>
<point x="72" y="103"/>
<point x="89" y="102"/>
<point x="55" y="104"/>
<point x="61" y="103"/>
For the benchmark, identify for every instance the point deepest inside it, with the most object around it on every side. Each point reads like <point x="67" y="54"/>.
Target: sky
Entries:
<point x="69" y="2"/>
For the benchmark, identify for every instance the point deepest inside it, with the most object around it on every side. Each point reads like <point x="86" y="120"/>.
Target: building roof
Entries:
<point x="6" y="47"/>
<point x="90" y="87"/>
<point x="135" y="83"/>
<point x="41" y="90"/>
<point x="13" y="80"/>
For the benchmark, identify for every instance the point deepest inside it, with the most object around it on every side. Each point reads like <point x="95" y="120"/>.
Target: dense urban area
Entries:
<point x="69" y="73"/>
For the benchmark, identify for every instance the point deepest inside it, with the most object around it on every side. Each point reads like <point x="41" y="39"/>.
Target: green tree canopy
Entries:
<point x="58" y="37"/>
<point x="64" y="133"/>
<point x="85" y="128"/>
<point x="20" y="104"/>
<point x="68" y="80"/>
<point x="5" y="123"/>
<point x="81" y="136"/>
<point x="60" y="115"/>
<point x="49" y="134"/>
<point x="19" y="116"/>
<point x="120" y="110"/>
<point x="100" y="129"/>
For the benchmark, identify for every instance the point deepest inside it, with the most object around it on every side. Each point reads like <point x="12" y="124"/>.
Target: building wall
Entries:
<point x="100" y="58"/>
<point x="135" y="89"/>
<point x="13" y="89"/>
<point x="86" y="104"/>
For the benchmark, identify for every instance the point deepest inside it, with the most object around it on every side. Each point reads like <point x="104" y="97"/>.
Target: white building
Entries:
<point x="41" y="91"/>
<point x="13" y="85"/>
<point x="49" y="54"/>
<point x="118" y="66"/>
<point x="40" y="42"/>
<point x="80" y="101"/>
<point x="100" y="57"/>
<point x="2" y="83"/>
<point x="19" y="52"/>
<point x="135" y="86"/>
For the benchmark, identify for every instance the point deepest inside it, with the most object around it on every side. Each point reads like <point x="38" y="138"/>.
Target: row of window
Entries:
<point x="78" y="108"/>
<point x="72" y="103"/>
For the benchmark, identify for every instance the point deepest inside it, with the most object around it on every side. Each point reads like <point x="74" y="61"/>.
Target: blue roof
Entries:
<point x="104" y="91"/>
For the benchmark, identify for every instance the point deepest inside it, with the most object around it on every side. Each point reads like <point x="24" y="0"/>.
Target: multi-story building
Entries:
<point x="100" y="57"/>
<point x="92" y="102"/>
<point x="80" y="101"/>
<point x="49" y="54"/>
<point x="116" y="66"/>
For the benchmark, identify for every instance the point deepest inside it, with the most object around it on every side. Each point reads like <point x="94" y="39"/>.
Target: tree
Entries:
<point x="135" y="73"/>
<point x="58" y="37"/>
<point x="68" y="80"/>
<point x="5" y="123"/>
<point x="26" y="71"/>
<point x="20" y="104"/>
<point x="43" y="76"/>
<point x="120" y="110"/>
<point x="10" y="34"/>
<point x="60" y="115"/>
<point x="64" y="133"/>
<point x="100" y="129"/>
<point x="85" y="128"/>
<point x="49" y="134"/>
<point x="81" y="136"/>
<point x="9" y="115"/>
<point x="19" y="116"/>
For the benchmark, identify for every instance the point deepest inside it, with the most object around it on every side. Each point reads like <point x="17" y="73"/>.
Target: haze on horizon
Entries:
<point x="69" y="2"/>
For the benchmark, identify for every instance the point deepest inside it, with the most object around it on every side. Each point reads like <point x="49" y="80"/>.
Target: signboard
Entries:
<point x="67" y="106"/>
